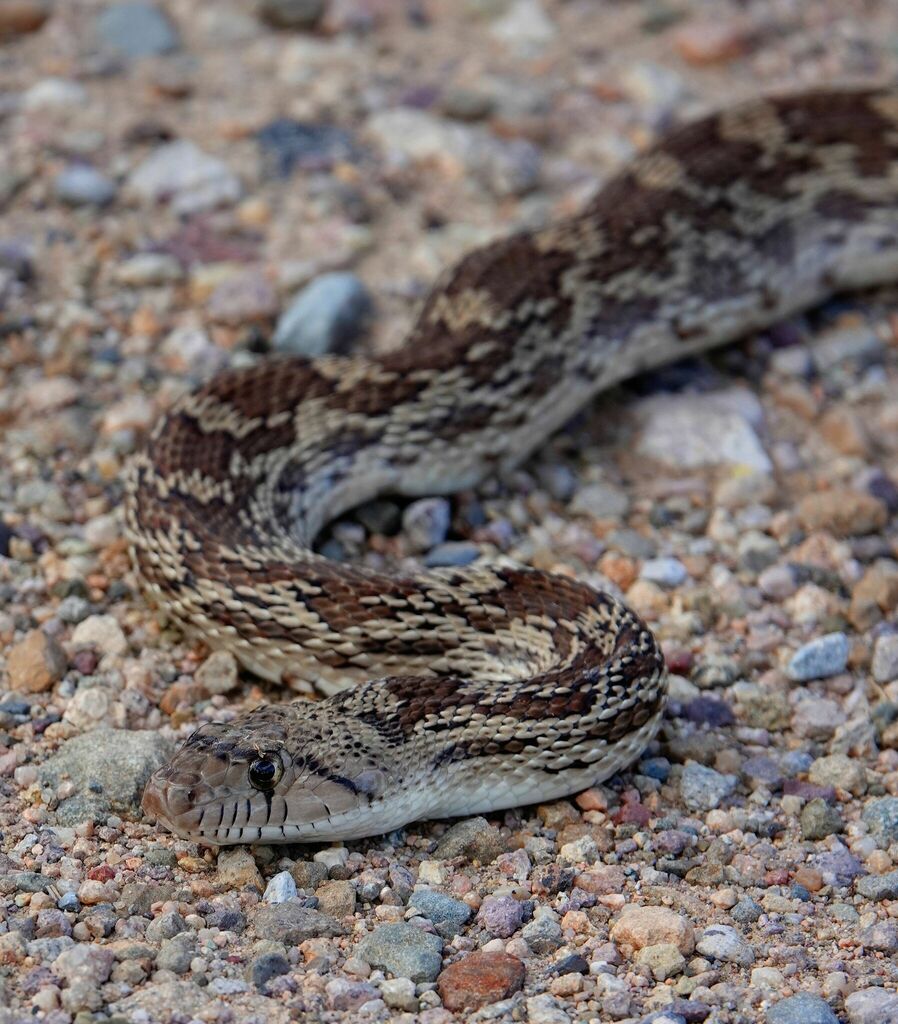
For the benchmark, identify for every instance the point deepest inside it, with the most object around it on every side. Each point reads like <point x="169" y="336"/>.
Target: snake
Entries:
<point x="465" y="690"/>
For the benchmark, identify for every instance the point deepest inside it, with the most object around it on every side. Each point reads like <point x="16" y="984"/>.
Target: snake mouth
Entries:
<point x="177" y="806"/>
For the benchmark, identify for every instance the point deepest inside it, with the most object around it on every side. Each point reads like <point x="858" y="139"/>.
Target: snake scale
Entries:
<point x="483" y="687"/>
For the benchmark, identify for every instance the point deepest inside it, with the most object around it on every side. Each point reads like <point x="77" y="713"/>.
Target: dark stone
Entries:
<point x="266" y="967"/>
<point x="226" y="919"/>
<point x="287" y="145"/>
<point x="708" y="711"/>
<point x="573" y="964"/>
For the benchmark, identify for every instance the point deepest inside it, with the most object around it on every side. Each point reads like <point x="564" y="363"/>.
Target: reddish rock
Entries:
<point x="19" y="17"/>
<point x="101" y="873"/>
<point x="479" y="979"/>
<point x="679" y="660"/>
<point x="633" y="814"/>
<point x="710" y="42"/>
<point x="601" y="881"/>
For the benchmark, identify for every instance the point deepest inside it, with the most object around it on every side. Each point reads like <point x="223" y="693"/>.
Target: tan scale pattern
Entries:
<point x="466" y="690"/>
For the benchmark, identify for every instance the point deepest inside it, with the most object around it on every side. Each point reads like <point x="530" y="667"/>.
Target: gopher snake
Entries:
<point x="503" y="686"/>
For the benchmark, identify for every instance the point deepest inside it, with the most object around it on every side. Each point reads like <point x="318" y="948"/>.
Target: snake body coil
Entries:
<point x="500" y="686"/>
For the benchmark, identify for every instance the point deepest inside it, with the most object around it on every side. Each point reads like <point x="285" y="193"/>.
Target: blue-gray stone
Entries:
<point x="136" y="29"/>
<point x="81" y="185"/>
<point x="802" y="1008"/>
<point x="69" y="901"/>
<point x="286" y="145"/>
<point x="795" y="762"/>
<point x="746" y="911"/>
<point x="452" y="552"/>
<point x="448" y="915"/>
<point x="881" y="818"/>
<point x="826" y="656"/>
<point x="324" y="317"/>
<point x="403" y="950"/>
<point x="426" y="522"/>
<point x="666" y="572"/>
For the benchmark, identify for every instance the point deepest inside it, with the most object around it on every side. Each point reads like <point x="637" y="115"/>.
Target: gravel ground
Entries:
<point x="187" y="187"/>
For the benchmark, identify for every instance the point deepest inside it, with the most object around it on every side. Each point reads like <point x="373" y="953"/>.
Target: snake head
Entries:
<point x="272" y="776"/>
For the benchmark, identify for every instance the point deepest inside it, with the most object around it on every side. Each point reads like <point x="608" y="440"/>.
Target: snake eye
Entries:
<point x="265" y="772"/>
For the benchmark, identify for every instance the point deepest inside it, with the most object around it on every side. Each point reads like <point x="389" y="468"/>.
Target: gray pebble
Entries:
<point x="746" y="911"/>
<point x="601" y="501"/>
<point x="474" y="838"/>
<point x="148" y="269"/>
<point x="136" y="29"/>
<point x="885" y="659"/>
<point x="69" y="902"/>
<point x="80" y="185"/>
<point x="878" y="887"/>
<point x="543" y="934"/>
<point x="802" y="1008"/>
<point x="666" y="572"/>
<point x="546" y="1009"/>
<point x="819" y="820"/>
<point x="448" y="915"/>
<point x="166" y="926"/>
<point x="266" y="967"/>
<point x="778" y="582"/>
<point x="757" y="551"/>
<point x="704" y="788"/>
<point x="881" y="937"/>
<point x="325" y="316"/>
<point x="846" y="345"/>
<point x="821" y="658"/>
<point x="881" y="818"/>
<point x="426" y="522"/>
<point x="73" y="609"/>
<point x="872" y="1006"/>
<point x="403" y="950"/>
<point x="182" y="173"/>
<point x="109" y="769"/>
<point x="176" y="953"/>
<point x="632" y="543"/>
<point x="723" y="942"/>
<point x="292" y="924"/>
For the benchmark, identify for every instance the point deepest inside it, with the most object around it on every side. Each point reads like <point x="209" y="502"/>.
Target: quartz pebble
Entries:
<point x="826" y="656"/>
<point x="723" y="942"/>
